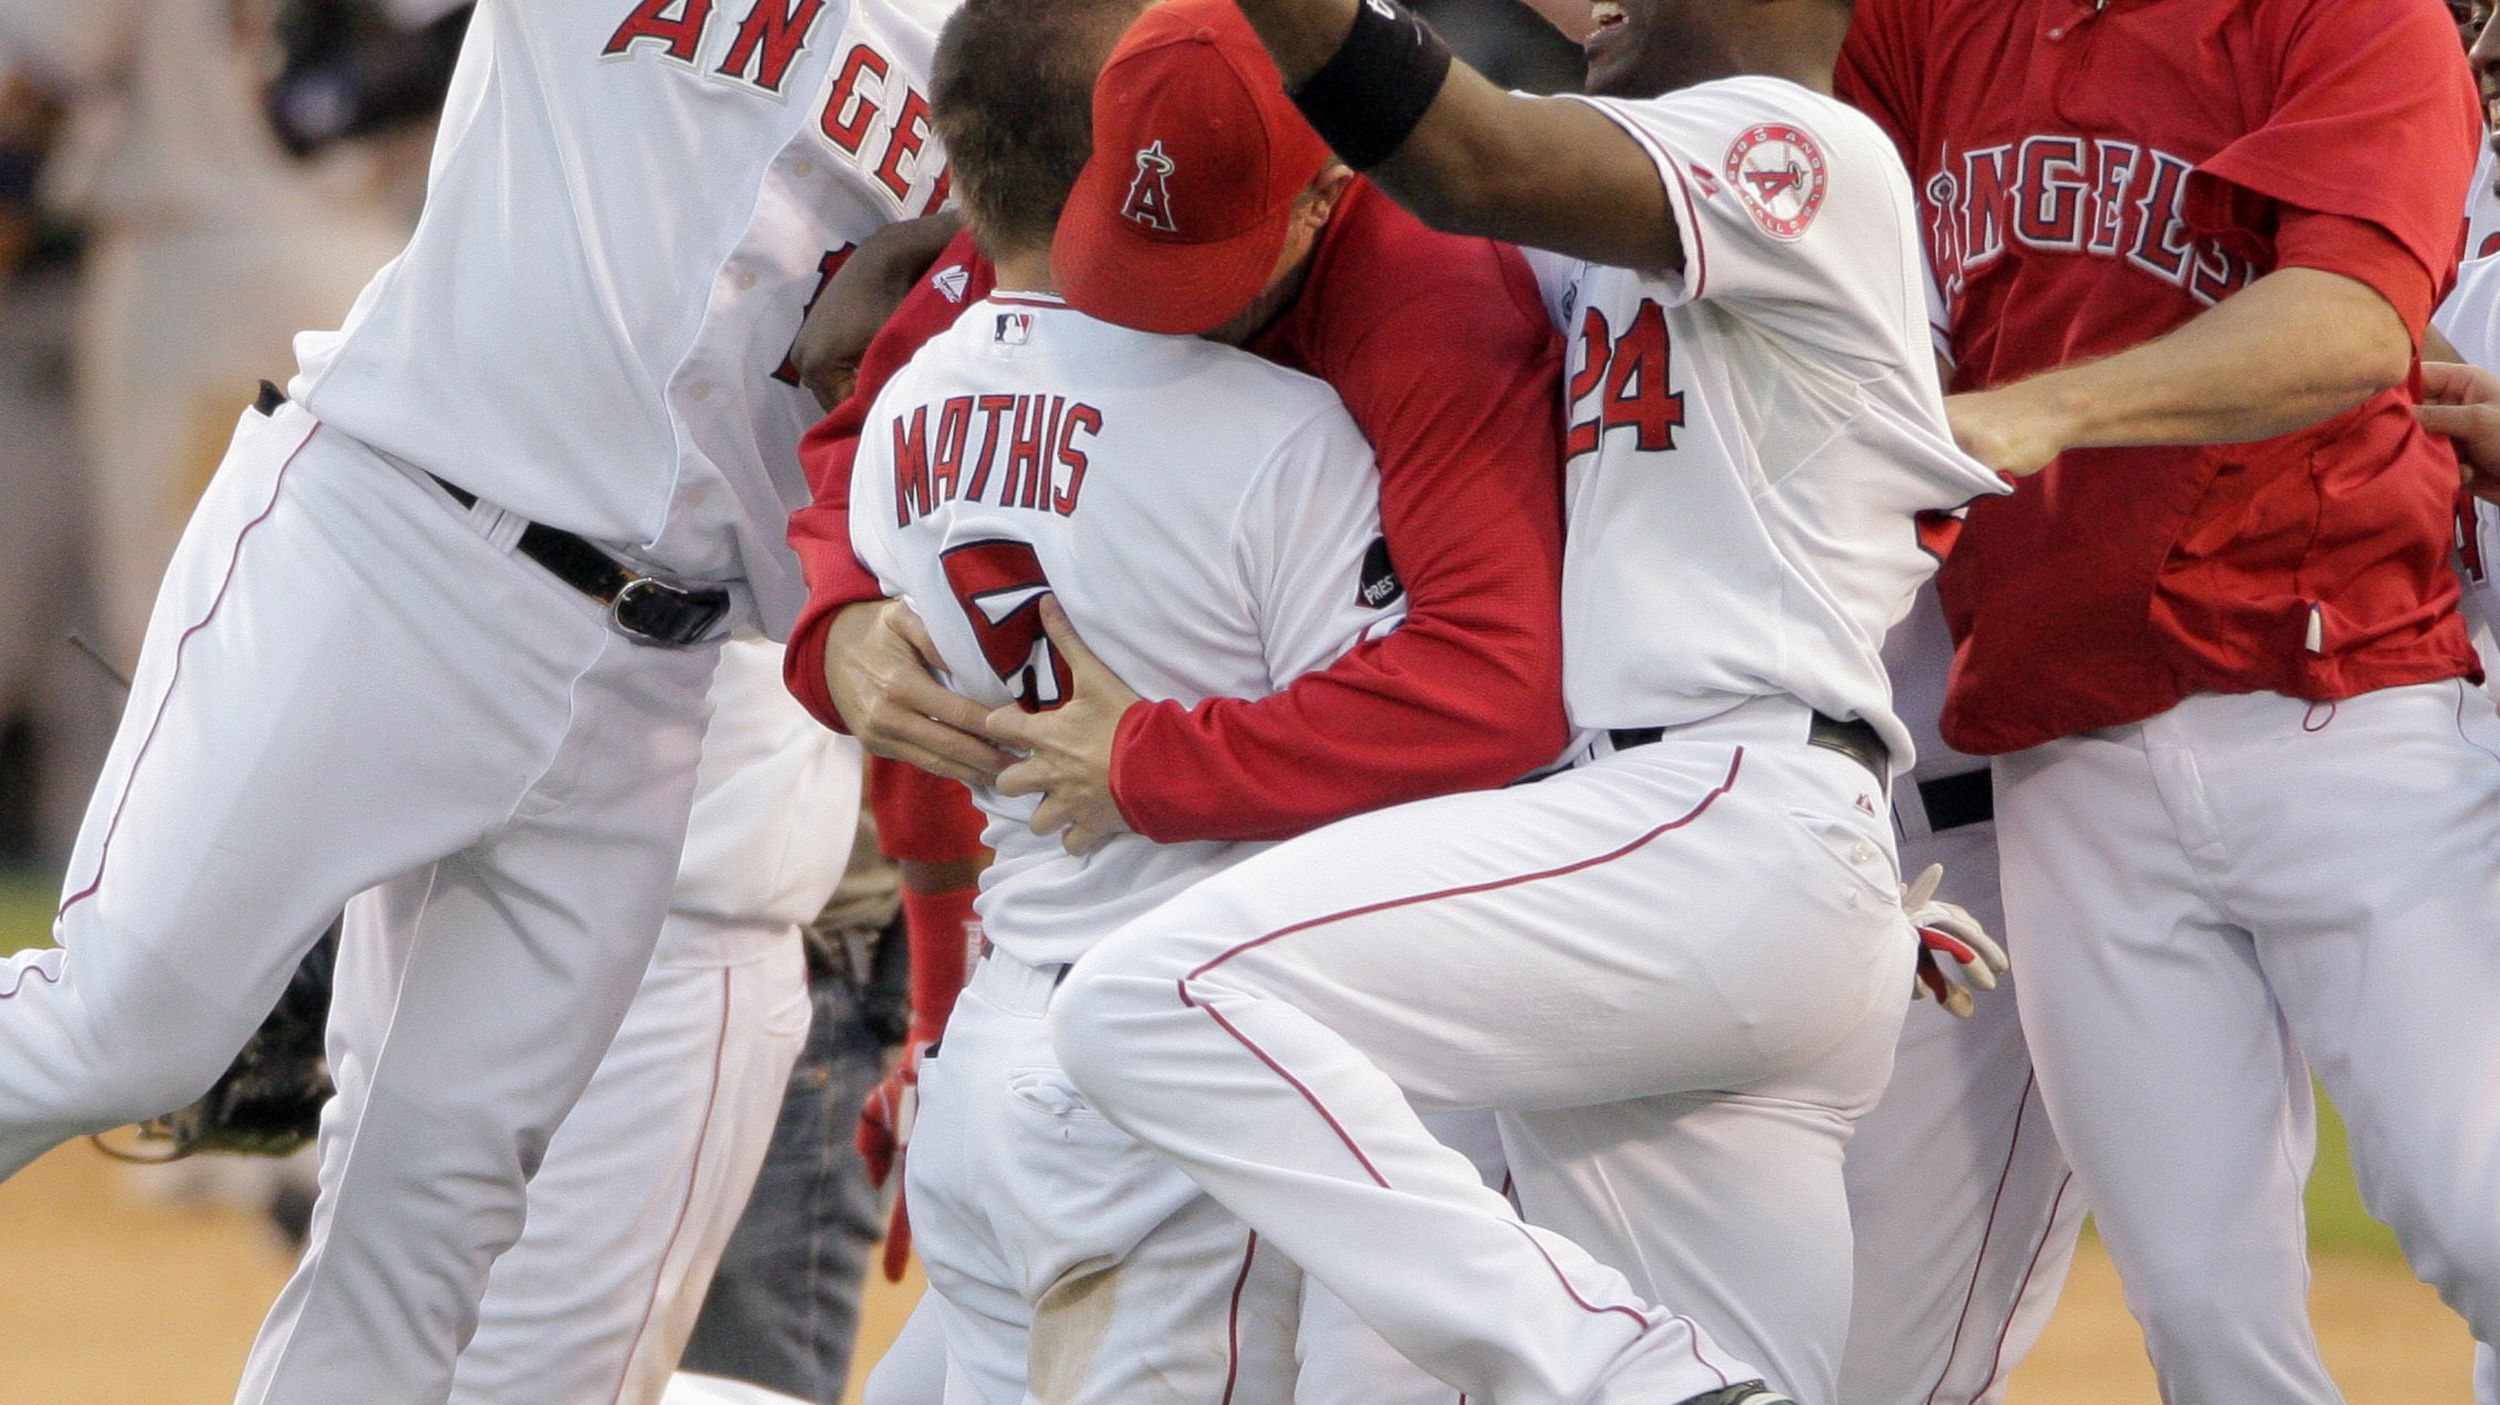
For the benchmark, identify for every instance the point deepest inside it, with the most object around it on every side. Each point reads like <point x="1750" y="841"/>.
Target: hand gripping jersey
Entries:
<point x="1202" y="515"/>
<point x="753" y="140"/>
<point x="1759" y="474"/>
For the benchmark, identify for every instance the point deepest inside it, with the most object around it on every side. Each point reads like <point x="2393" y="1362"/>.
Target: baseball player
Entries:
<point x="445" y="623"/>
<point x="1025" y="456"/>
<point x="991" y="1239"/>
<point x="2249" y="806"/>
<point x="1678" y="968"/>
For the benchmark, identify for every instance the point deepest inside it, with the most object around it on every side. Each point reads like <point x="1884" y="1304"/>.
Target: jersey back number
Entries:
<point x="1627" y="375"/>
<point x="999" y="585"/>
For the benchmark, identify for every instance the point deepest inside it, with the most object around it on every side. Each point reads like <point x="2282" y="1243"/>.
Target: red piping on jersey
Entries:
<point x="1726" y="784"/>
<point x="1018" y="300"/>
<point x="694" y="1178"/>
<point x="104" y="852"/>
<point x="1232" y="1319"/>
<point x="1970" y="1294"/>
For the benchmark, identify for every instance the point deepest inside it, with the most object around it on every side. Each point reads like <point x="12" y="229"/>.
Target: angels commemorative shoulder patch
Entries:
<point x="1778" y="173"/>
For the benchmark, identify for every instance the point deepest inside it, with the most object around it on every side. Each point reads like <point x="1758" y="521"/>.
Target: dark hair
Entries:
<point x="1012" y="93"/>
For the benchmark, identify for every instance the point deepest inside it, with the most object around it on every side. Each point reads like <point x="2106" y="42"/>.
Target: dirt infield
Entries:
<point x="108" y="1299"/>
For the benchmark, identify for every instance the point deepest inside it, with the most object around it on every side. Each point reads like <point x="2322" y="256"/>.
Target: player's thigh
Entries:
<point x="2381" y="941"/>
<point x="1654" y="922"/>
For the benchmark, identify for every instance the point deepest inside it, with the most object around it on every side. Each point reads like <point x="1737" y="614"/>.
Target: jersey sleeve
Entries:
<point x="1791" y="209"/>
<point x="2372" y="117"/>
<point x="1467" y="692"/>
<point x="821" y="531"/>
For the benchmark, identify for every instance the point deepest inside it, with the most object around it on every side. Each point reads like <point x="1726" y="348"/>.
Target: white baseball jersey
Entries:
<point x="1204" y="517"/>
<point x="1752" y="444"/>
<point x="753" y="142"/>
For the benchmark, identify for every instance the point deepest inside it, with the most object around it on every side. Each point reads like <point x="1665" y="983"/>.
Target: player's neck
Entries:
<point x="1024" y="271"/>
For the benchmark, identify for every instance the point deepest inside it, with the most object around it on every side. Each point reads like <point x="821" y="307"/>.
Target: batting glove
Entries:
<point x="883" y="1138"/>
<point x="1947" y="932"/>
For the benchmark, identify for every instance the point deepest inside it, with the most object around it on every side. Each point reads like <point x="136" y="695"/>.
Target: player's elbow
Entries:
<point x="2357" y="346"/>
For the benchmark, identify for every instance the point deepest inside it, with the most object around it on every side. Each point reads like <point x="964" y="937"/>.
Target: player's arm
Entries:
<point x="2362" y="246"/>
<point x="1550" y="173"/>
<point x="1467" y="692"/>
<point x="862" y="297"/>
<point x="2297" y="346"/>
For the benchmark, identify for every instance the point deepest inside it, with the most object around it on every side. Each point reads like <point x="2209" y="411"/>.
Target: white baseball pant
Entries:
<point x="2233" y="884"/>
<point x="1073" y="1265"/>
<point x="346" y="683"/>
<point x="1705" y="930"/>
<point x="1965" y="1212"/>
<point x="645" y="1181"/>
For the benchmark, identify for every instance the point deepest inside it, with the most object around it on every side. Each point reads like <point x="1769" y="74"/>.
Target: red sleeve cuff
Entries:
<point x="803" y="668"/>
<point x="2364" y="252"/>
<point x="1133" y="811"/>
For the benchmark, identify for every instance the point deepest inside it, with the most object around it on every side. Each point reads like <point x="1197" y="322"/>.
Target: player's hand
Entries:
<point x="2010" y="429"/>
<point x="1067" y="750"/>
<point x="883" y="1137"/>
<point x="1949" y="933"/>
<point x="882" y="669"/>
<point x="2463" y="402"/>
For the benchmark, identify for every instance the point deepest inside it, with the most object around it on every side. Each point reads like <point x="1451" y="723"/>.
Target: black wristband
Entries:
<point x="1366" y="100"/>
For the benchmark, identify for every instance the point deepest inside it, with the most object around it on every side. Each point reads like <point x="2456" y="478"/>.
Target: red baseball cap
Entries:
<point x="1180" y="213"/>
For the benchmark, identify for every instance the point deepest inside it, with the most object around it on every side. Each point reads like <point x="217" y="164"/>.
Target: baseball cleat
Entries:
<point x="1742" y="1393"/>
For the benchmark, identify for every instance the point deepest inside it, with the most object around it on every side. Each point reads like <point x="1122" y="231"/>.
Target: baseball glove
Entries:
<point x="268" y="1101"/>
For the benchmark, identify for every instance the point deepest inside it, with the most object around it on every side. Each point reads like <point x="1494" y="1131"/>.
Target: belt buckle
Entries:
<point x="653" y="611"/>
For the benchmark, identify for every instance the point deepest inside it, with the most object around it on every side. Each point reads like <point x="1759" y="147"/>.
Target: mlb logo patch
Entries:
<point x="1013" y="329"/>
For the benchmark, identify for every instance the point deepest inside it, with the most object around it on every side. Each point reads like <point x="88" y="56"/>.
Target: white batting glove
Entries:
<point x="1947" y="932"/>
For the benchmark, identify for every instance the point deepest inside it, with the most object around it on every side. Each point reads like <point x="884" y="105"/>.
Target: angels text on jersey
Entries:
<point x="872" y="117"/>
<point x="2103" y="197"/>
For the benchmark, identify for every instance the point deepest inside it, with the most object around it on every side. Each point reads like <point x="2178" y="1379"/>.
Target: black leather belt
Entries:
<point x="1952" y="802"/>
<point x="639" y="606"/>
<point x="1855" y="738"/>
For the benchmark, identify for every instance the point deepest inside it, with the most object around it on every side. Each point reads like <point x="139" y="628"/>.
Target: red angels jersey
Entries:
<point x="1210" y="522"/>
<point x="1758" y="471"/>
<point x="631" y="205"/>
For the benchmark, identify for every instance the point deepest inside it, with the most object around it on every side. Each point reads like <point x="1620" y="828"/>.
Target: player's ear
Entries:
<point x="1320" y="197"/>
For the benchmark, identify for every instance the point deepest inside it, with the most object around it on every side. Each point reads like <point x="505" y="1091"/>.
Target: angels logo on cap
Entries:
<point x="1149" y="203"/>
<point x="1778" y="173"/>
